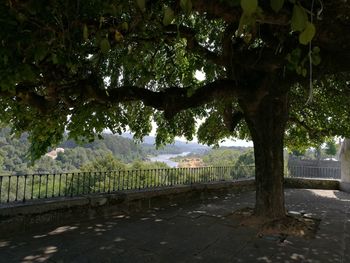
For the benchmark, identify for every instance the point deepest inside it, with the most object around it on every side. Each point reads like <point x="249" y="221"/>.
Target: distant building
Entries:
<point x="53" y="153"/>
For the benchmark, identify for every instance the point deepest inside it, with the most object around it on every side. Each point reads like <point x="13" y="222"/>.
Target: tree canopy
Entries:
<point x="83" y="66"/>
<point x="89" y="65"/>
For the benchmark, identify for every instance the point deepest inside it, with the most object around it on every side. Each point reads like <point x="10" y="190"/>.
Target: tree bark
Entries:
<point x="266" y="122"/>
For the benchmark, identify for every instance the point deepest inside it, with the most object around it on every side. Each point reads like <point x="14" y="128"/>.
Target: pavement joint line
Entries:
<point x="207" y="246"/>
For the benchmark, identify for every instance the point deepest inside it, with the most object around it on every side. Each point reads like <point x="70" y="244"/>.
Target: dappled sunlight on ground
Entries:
<point x="197" y="232"/>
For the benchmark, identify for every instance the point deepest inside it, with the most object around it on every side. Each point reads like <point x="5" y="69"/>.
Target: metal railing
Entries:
<point x="20" y="188"/>
<point x="314" y="172"/>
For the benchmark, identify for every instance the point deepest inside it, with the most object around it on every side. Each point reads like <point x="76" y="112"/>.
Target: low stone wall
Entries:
<point x="344" y="186"/>
<point x="326" y="184"/>
<point x="22" y="216"/>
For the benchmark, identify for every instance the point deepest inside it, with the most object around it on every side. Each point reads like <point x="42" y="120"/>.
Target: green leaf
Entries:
<point x="304" y="72"/>
<point x="105" y="46"/>
<point x="168" y="16"/>
<point x="54" y="58"/>
<point x="276" y="5"/>
<point x="186" y="5"/>
<point x="299" y="18"/>
<point x="308" y="34"/>
<point x="244" y="23"/>
<point x="249" y="6"/>
<point x="40" y="52"/>
<point x="141" y="4"/>
<point x="315" y="58"/>
<point x="27" y="73"/>
<point x="125" y="26"/>
<point x="316" y="50"/>
<point x="85" y="32"/>
<point x="118" y="36"/>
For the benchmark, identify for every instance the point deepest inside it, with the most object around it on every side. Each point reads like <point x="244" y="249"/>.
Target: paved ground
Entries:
<point x="201" y="232"/>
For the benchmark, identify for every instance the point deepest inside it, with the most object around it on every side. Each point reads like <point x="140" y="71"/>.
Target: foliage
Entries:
<point x="331" y="148"/>
<point x="13" y="156"/>
<point x="104" y="163"/>
<point x="222" y="156"/>
<point x="59" y="59"/>
<point x="245" y="159"/>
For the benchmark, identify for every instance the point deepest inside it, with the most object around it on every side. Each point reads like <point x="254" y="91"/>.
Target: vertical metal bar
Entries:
<point x="154" y="176"/>
<point x="127" y="178"/>
<point x="78" y="183"/>
<point x="66" y="188"/>
<point x="16" y="194"/>
<point x="118" y="180"/>
<point x="152" y="182"/>
<point x="24" y="188"/>
<point x="114" y="183"/>
<point x="94" y="185"/>
<point x="89" y="182"/>
<point x="139" y="177"/>
<point x="109" y="182"/>
<point x="144" y="178"/>
<point x="59" y="184"/>
<point x="99" y="182"/>
<point x="32" y="192"/>
<point x="123" y="180"/>
<point x="176" y="176"/>
<point x="53" y="185"/>
<point x="0" y="187"/>
<point x="71" y="185"/>
<point x="8" y="190"/>
<point x="84" y="184"/>
<point x="39" y="186"/>
<point x="47" y="185"/>
<point x="104" y="181"/>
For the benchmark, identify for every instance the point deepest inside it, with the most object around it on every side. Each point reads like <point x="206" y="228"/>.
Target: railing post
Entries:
<point x="16" y="187"/>
<point x="0" y="187"/>
<point x="24" y="190"/>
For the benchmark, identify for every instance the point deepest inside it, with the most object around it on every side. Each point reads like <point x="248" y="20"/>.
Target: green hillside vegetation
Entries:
<point x="14" y="159"/>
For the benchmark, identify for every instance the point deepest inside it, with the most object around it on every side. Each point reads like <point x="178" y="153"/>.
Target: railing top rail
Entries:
<point x="316" y="167"/>
<point x="124" y="170"/>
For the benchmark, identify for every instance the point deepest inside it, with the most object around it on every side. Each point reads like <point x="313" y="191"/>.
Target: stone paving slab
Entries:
<point x="195" y="232"/>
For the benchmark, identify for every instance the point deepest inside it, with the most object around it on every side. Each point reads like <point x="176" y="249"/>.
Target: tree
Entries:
<point x="89" y="65"/>
<point x="105" y="163"/>
<point x="331" y="148"/>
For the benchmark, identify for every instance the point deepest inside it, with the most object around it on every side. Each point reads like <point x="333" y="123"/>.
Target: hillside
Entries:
<point x="13" y="152"/>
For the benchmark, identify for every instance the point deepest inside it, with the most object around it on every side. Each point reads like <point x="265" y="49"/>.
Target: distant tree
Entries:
<point x="105" y="163"/>
<point x="142" y="165"/>
<point x="221" y="157"/>
<point x="246" y="158"/>
<point x="331" y="148"/>
<point x="297" y="153"/>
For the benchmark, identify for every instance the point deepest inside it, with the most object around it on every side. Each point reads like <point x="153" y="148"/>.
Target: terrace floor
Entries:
<point x="195" y="232"/>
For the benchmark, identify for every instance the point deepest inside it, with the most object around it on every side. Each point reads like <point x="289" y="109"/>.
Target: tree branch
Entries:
<point x="311" y="131"/>
<point x="192" y="43"/>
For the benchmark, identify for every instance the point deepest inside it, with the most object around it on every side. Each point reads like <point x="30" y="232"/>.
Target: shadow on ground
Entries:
<point x="200" y="232"/>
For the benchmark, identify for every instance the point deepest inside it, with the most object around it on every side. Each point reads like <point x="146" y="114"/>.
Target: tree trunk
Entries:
<point x="266" y="122"/>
